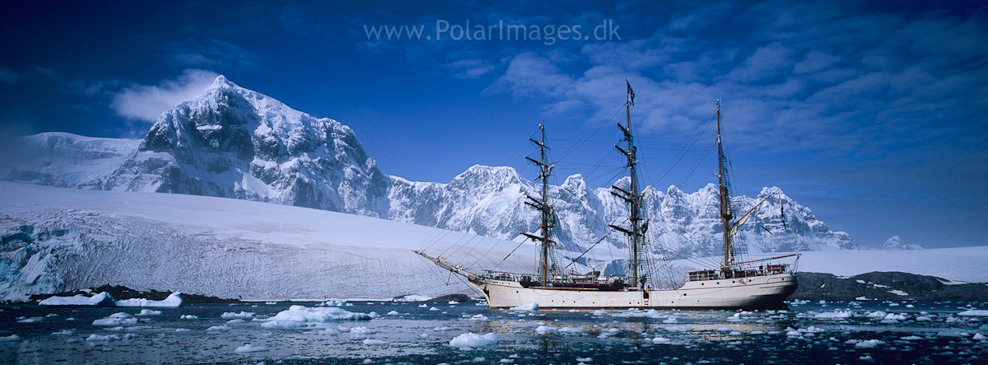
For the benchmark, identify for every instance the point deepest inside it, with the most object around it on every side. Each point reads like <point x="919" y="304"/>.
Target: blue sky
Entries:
<point x="873" y="114"/>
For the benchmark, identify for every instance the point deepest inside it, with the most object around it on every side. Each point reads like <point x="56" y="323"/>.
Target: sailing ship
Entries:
<point x="734" y="285"/>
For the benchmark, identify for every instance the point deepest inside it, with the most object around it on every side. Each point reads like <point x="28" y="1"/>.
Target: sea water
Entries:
<point x="860" y="332"/>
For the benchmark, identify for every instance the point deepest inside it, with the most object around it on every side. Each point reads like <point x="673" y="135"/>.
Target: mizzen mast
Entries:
<point x="542" y="205"/>
<point x="725" y="198"/>
<point x="636" y="231"/>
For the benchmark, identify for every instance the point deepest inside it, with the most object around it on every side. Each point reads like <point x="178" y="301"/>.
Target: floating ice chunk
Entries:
<point x="102" y="299"/>
<point x="584" y="359"/>
<point x="599" y="312"/>
<point x="868" y="344"/>
<point x="247" y="348"/>
<point x="979" y="337"/>
<point x="360" y="330"/>
<point x="433" y="309"/>
<point x="573" y="331"/>
<point x="335" y="303"/>
<point x="453" y="302"/>
<point x="298" y="316"/>
<point x="757" y="332"/>
<point x="95" y="337"/>
<point x="13" y="337"/>
<point x="242" y="314"/>
<point x="478" y="317"/>
<point x="189" y="316"/>
<point x="974" y="312"/>
<point x="222" y="328"/>
<point x="116" y="319"/>
<point x="148" y="312"/>
<point x="470" y="339"/>
<point x="533" y="306"/>
<point x="608" y="333"/>
<point x="423" y="305"/>
<point x="393" y="313"/>
<point x="724" y="329"/>
<point x="670" y="320"/>
<point x="29" y="319"/>
<point x="735" y="333"/>
<point x="63" y="332"/>
<point x="893" y="318"/>
<point x="374" y="342"/>
<point x="235" y="321"/>
<point x="546" y="329"/>
<point x="912" y="338"/>
<point x="923" y="319"/>
<point x="174" y="300"/>
<point x="833" y="315"/>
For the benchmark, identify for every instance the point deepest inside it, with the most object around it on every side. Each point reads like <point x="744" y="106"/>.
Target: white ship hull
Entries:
<point x="760" y="292"/>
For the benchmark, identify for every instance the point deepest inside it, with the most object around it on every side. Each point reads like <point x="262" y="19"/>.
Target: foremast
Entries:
<point x="636" y="230"/>
<point x="541" y="204"/>
<point x="725" y="198"/>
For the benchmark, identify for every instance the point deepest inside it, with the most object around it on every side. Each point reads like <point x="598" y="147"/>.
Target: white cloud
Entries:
<point x="146" y="102"/>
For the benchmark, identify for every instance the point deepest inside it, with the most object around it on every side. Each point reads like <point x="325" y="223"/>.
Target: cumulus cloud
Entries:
<point x="146" y="102"/>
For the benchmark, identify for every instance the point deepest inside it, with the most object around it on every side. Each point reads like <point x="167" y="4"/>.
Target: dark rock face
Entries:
<point x="884" y="286"/>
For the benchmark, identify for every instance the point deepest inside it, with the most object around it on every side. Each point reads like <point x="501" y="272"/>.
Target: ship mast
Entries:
<point x="542" y="205"/>
<point x="725" y="198"/>
<point x="636" y="231"/>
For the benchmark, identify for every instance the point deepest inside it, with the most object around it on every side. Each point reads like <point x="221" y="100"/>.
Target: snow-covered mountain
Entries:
<point x="236" y="143"/>
<point x="490" y="201"/>
<point x="895" y="243"/>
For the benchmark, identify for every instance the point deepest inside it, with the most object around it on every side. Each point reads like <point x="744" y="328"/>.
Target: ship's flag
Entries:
<point x="631" y="93"/>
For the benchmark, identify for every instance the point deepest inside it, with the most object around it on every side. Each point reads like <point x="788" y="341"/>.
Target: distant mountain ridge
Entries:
<point x="236" y="143"/>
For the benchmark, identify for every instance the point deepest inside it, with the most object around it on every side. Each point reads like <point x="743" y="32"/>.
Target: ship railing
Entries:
<point x="593" y="278"/>
<point x="745" y="269"/>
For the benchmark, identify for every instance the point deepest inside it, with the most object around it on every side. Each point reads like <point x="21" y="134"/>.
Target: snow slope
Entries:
<point x="64" y="159"/>
<point x="57" y="239"/>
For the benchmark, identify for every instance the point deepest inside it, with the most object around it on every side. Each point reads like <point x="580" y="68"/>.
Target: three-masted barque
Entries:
<point x="754" y="284"/>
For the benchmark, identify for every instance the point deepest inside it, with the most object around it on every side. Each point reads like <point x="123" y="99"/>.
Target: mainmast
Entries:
<point x="636" y="231"/>
<point x="725" y="198"/>
<point x="542" y="205"/>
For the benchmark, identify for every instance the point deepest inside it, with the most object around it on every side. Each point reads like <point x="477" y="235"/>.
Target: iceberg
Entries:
<point x="102" y="299"/>
<point x="470" y="340"/>
<point x="174" y="300"/>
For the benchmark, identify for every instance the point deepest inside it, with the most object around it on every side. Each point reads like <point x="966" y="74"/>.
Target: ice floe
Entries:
<point x="299" y="316"/>
<point x="116" y="319"/>
<point x="241" y="315"/>
<point x="470" y="340"/>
